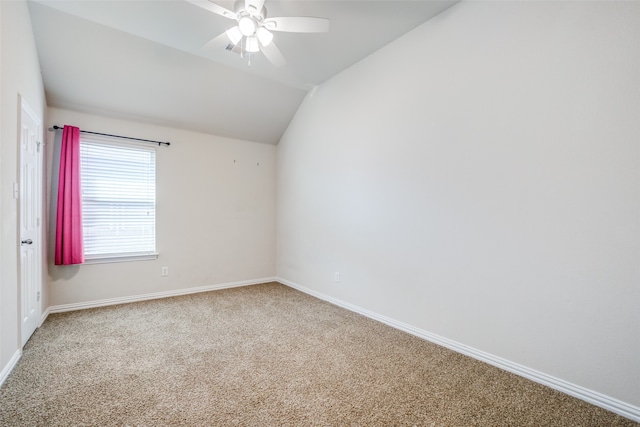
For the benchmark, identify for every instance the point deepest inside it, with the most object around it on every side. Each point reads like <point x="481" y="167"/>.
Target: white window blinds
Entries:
<point x="118" y="199"/>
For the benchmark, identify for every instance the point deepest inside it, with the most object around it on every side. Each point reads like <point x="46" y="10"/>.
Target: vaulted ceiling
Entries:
<point x="146" y="60"/>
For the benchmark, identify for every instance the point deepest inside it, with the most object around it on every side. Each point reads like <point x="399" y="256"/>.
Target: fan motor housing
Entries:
<point x="239" y="8"/>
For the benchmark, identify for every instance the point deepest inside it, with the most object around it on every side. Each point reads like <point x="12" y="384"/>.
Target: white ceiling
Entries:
<point x="144" y="60"/>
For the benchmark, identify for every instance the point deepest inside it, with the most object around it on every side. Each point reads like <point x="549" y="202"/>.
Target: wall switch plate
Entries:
<point x="164" y="271"/>
<point x="337" y="276"/>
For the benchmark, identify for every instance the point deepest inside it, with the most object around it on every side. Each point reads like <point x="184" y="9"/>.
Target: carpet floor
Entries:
<point x="262" y="355"/>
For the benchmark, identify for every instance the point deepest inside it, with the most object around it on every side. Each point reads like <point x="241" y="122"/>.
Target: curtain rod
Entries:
<point x="56" y="127"/>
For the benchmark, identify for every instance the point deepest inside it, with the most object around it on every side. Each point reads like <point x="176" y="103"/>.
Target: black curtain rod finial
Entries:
<point x="56" y="127"/>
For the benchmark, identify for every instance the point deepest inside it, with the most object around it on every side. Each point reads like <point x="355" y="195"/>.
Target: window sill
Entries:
<point x="104" y="259"/>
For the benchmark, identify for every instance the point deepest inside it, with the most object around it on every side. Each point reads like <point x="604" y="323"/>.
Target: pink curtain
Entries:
<point x="69" y="245"/>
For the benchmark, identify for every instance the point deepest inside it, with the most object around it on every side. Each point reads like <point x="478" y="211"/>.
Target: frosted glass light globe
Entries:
<point x="247" y="26"/>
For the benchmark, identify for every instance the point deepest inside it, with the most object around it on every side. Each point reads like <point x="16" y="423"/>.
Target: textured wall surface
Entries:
<point x="479" y="179"/>
<point x="215" y="215"/>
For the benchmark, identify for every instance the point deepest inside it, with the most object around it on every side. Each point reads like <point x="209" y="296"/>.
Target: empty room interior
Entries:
<point x="354" y="212"/>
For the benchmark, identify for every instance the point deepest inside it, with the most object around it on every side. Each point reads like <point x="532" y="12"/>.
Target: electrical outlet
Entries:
<point x="337" y="276"/>
<point x="164" y="271"/>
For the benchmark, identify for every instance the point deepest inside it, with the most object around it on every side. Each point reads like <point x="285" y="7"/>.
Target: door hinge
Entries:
<point x="38" y="296"/>
<point x="38" y="143"/>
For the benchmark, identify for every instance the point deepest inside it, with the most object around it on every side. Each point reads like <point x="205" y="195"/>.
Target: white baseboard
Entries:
<point x="9" y="367"/>
<point x="18" y="354"/>
<point x="44" y="316"/>
<point x="609" y="403"/>
<point x="156" y="295"/>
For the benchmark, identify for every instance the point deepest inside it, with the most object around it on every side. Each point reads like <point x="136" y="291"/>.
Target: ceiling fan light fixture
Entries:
<point x="247" y="26"/>
<point x="253" y="32"/>
<point x="234" y="35"/>
<point x="252" y="45"/>
<point x="264" y="36"/>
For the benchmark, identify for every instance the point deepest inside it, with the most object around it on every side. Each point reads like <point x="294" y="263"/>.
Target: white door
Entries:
<point x="30" y="196"/>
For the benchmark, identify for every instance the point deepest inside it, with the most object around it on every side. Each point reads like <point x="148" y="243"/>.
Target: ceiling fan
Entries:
<point x="253" y="30"/>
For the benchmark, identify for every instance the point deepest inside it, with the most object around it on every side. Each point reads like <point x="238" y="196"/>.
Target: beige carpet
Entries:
<point x="263" y="355"/>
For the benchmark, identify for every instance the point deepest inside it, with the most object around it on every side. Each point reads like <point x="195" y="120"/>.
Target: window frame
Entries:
<point x="122" y="256"/>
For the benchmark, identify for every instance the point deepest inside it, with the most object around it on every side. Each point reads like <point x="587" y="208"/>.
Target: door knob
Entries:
<point x="26" y="242"/>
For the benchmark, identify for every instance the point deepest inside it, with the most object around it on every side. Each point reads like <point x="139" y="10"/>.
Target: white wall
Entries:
<point x="479" y="179"/>
<point x="215" y="216"/>
<point x="20" y="75"/>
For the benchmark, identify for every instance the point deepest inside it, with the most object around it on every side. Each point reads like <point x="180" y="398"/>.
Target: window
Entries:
<point x="118" y="200"/>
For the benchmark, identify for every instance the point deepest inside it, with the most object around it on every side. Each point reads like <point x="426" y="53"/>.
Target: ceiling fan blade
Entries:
<point x="213" y="7"/>
<point x="273" y="54"/>
<point x="297" y="24"/>
<point x="217" y="43"/>
<point x="253" y="6"/>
